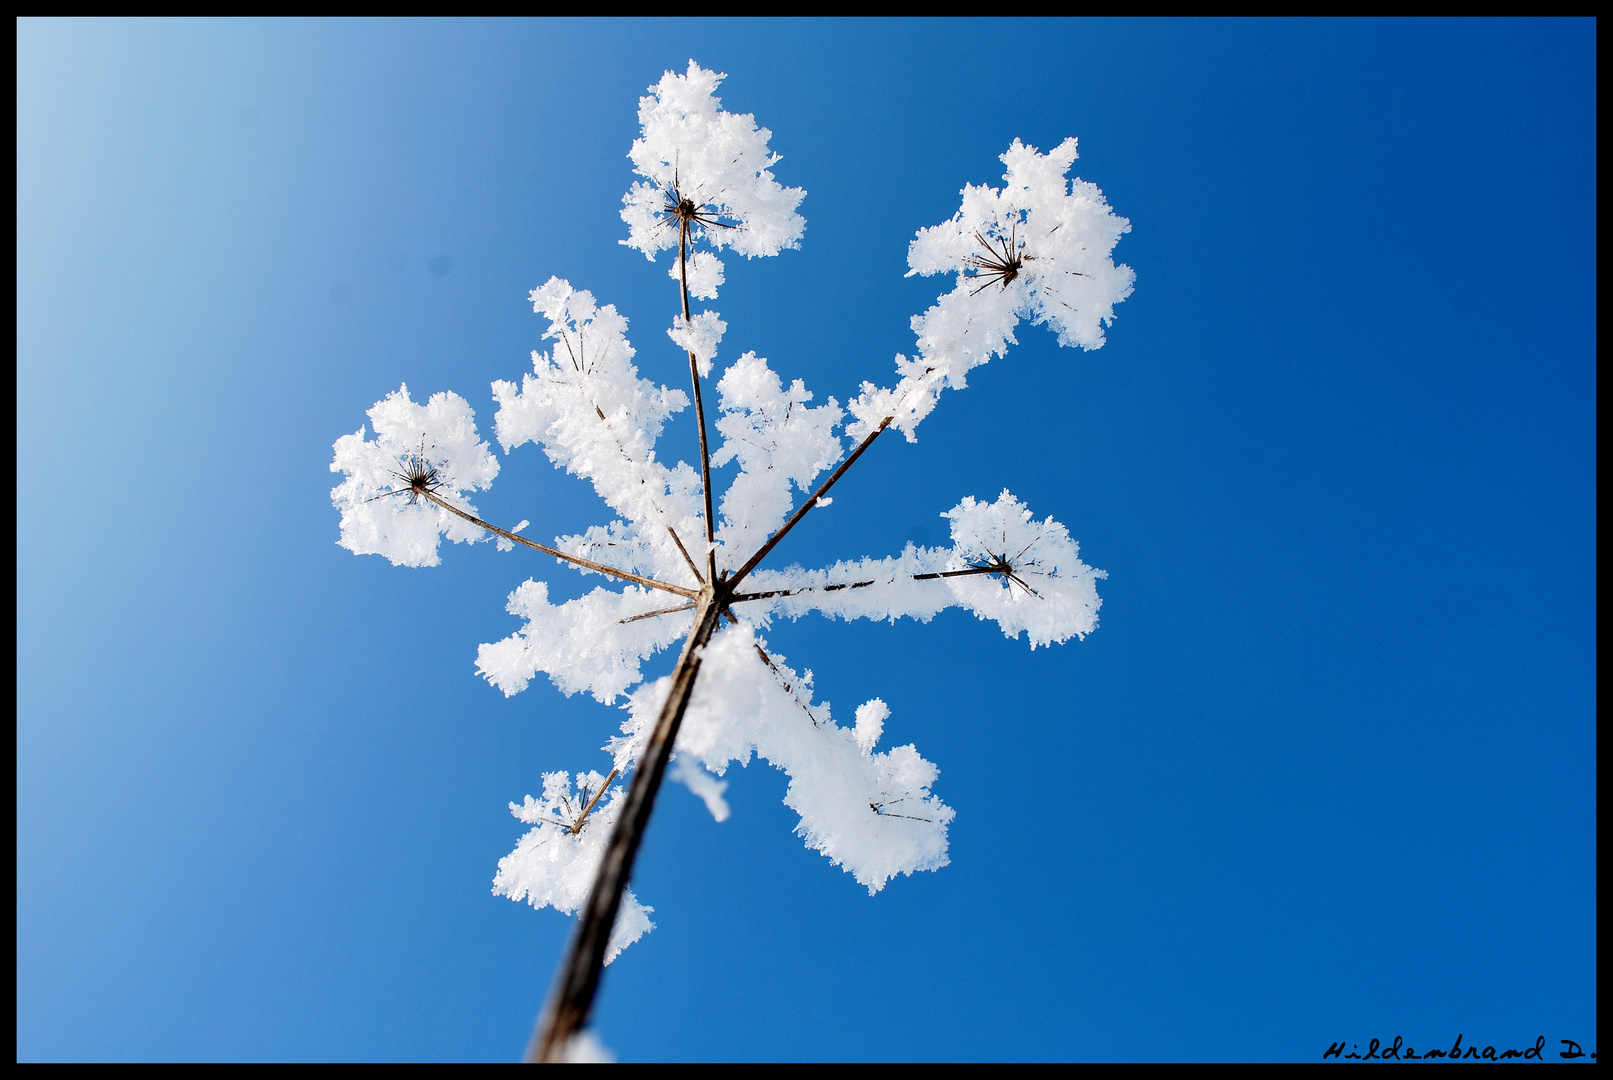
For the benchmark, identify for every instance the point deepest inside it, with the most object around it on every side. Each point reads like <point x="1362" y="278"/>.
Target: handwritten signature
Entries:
<point x="1399" y="1050"/>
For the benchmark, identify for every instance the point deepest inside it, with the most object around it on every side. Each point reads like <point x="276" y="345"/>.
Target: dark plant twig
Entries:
<point x="637" y="579"/>
<point x="577" y="828"/>
<point x="687" y="213"/>
<point x="795" y="518"/>
<point x="653" y="614"/>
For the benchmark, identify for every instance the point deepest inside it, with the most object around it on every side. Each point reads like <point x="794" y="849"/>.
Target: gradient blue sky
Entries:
<point x="1325" y="771"/>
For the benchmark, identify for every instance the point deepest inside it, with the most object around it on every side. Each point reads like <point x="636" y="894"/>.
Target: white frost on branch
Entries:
<point x="778" y="440"/>
<point x="705" y="275"/>
<point x="1043" y="590"/>
<point x="1040" y="247"/>
<point x="870" y="813"/>
<point x="585" y="404"/>
<point x="700" y="335"/>
<point x="871" y="717"/>
<point x="583" y="644"/>
<point x="379" y="514"/>
<point x="554" y="864"/>
<point x="720" y="160"/>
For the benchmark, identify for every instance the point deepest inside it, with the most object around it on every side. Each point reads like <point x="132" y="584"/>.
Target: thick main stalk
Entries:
<point x="577" y="982"/>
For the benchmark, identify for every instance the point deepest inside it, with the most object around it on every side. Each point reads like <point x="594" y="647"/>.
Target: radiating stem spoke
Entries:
<point x="699" y="408"/>
<point x="637" y="579"/>
<point x="795" y="519"/>
<point x="990" y="569"/>
<point x="577" y="828"/>
<point x="685" y="553"/>
<point x="653" y="614"/>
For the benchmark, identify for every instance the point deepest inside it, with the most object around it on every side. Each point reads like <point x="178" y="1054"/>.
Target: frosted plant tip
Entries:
<point x="1001" y="261"/>
<point x="682" y="212"/>
<point x="418" y="476"/>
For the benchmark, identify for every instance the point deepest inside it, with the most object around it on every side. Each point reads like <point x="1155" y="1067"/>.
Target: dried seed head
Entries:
<point x="415" y="477"/>
<point x="1001" y="261"/>
<point x="999" y="566"/>
<point x="679" y="209"/>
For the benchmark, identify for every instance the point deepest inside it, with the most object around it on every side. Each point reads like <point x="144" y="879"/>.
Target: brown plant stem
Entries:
<point x="685" y="553"/>
<point x="637" y="579"/>
<point x="795" y="519"/>
<point x="653" y="614"/>
<point x="577" y="828"/>
<point x="577" y="981"/>
<point x="741" y="597"/>
<point x="699" y="407"/>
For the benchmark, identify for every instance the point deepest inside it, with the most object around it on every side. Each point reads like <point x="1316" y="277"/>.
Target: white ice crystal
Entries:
<point x="699" y="334"/>
<point x="869" y="813"/>
<point x="380" y="515"/>
<point x="584" y="1048"/>
<point x="554" y="864"/>
<point x="705" y="275"/>
<point x="720" y="160"/>
<point x="778" y="440"/>
<point x="1040" y="247"/>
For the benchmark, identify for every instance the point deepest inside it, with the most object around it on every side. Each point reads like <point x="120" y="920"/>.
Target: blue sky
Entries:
<point x="1324" y="772"/>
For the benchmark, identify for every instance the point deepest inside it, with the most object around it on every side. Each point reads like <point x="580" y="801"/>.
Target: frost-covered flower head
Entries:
<point x="420" y="453"/>
<point x="707" y="170"/>
<point x="554" y="864"/>
<point x="1038" y="247"/>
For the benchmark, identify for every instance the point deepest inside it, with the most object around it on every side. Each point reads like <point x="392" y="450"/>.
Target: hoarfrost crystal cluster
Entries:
<point x="1038" y="248"/>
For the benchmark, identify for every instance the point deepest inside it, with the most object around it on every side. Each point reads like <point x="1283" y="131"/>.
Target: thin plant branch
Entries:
<point x="788" y="689"/>
<point x="694" y="377"/>
<point x="637" y="579"/>
<point x="577" y="828"/>
<point x="685" y="553"/>
<point x="795" y="518"/>
<point x="738" y="598"/>
<point x="653" y="614"/>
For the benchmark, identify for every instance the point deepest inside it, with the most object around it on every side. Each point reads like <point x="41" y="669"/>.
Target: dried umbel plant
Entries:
<point x="685" y="572"/>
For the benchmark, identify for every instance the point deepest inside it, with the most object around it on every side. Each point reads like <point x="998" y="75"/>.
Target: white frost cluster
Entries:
<point x="584" y="403"/>
<point x="1054" y="598"/>
<point x="583" y="644"/>
<point x="554" y="864"/>
<point x="441" y="434"/>
<point x="720" y="160"/>
<point x="1040" y="247"/>
<point x="699" y="334"/>
<point x="705" y="275"/>
<point x="870" y="813"/>
<point x="778" y="440"/>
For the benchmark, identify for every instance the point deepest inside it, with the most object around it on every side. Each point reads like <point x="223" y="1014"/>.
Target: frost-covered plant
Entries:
<point x="684" y="570"/>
